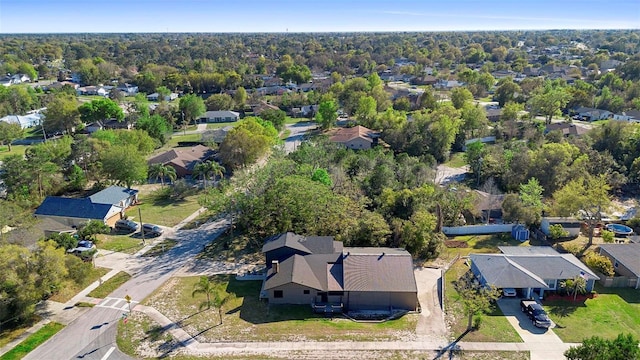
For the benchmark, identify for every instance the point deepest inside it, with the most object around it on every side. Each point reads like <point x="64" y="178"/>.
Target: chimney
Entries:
<point x="275" y="266"/>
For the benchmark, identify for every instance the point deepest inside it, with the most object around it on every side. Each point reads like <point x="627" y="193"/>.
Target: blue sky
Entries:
<point x="64" y="16"/>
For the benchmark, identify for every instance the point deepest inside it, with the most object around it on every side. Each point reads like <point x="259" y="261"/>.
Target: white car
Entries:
<point x="509" y="292"/>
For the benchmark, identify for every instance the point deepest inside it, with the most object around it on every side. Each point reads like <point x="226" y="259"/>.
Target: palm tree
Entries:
<point x="207" y="169"/>
<point x="577" y="285"/>
<point x="161" y="171"/>
<point x="220" y="302"/>
<point x="204" y="286"/>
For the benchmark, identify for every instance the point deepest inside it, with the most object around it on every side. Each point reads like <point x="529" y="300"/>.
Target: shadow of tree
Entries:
<point x="629" y="295"/>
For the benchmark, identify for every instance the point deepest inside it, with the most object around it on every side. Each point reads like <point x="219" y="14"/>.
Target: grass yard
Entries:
<point x="246" y="318"/>
<point x="10" y="332"/>
<point x="213" y="126"/>
<point x="120" y="243"/>
<point x="15" y="149"/>
<point x="161" y="247"/>
<point x="494" y="327"/>
<point x="611" y="312"/>
<point x="457" y="160"/>
<point x="464" y="245"/>
<point x="70" y="288"/>
<point x="157" y="209"/>
<point x="110" y="285"/>
<point x="33" y="341"/>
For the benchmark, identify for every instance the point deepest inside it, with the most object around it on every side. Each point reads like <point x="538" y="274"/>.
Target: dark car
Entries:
<point x="536" y="313"/>
<point x="151" y="230"/>
<point x="126" y="225"/>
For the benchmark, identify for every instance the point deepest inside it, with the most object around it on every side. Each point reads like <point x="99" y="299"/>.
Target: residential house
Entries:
<point x="94" y="90"/>
<point x="625" y="259"/>
<point x="156" y="97"/>
<point x="6" y="81"/>
<point x="59" y="84"/>
<point x="493" y="114"/>
<point x="609" y="65"/>
<point x="357" y="137"/>
<point x="489" y="206"/>
<point x="128" y="89"/>
<point x="571" y="225"/>
<point x="25" y="121"/>
<point x="28" y="235"/>
<point x="591" y="114"/>
<point x="629" y="115"/>
<point x="424" y="80"/>
<point x="319" y="271"/>
<point x="262" y="106"/>
<point x="183" y="159"/>
<point x="567" y="129"/>
<point x="531" y="270"/>
<point x="220" y="116"/>
<point x="20" y="78"/>
<point x="309" y="110"/>
<point x="107" y="205"/>
<point x="448" y="84"/>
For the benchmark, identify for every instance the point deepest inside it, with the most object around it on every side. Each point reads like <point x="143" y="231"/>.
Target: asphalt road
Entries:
<point x="93" y="335"/>
<point x="297" y="135"/>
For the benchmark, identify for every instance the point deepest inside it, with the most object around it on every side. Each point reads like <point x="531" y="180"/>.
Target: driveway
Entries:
<point x="431" y="324"/>
<point x="549" y="344"/>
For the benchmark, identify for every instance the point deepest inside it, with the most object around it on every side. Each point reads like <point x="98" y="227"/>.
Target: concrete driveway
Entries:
<point x="549" y="344"/>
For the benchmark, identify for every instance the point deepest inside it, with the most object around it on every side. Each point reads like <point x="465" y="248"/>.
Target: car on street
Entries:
<point x="536" y="313"/>
<point x="151" y="230"/>
<point x="126" y="225"/>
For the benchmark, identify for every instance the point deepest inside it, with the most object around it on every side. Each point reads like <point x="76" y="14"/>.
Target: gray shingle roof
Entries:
<point x="626" y="254"/>
<point x="499" y="271"/>
<point x="378" y="269"/>
<point x="527" y="250"/>
<point x="112" y="195"/>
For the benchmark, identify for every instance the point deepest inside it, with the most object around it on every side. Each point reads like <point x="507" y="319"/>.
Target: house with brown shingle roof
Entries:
<point x="356" y="138"/>
<point x="183" y="159"/>
<point x="319" y="271"/>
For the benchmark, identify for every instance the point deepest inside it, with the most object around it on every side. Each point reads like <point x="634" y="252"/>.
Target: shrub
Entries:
<point x="477" y="321"/>
<point x="607" y="236"/>
<point x="78" y="269"/>
<point x="557" y="231"/>
<point x="599" y="263"/>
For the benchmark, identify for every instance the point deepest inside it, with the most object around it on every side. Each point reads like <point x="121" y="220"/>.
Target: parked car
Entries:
<point x="536" y="313"/>
<point x="151" y="230"/>
<point x="509" y="292"/>
<point x="126" y="225"/>
<point x="85" y="250"/>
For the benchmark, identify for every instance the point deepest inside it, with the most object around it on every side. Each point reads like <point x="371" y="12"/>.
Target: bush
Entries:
<point x="477" y="321"/>
<point x="599" y="263"/>
<point x="557" y="231"/>
<point x="607" y="236"/>
<point x="78" y="269"/>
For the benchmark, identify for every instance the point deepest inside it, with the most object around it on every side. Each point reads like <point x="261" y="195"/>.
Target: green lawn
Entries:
<point x="494" y="327"/>
<point x="15" y="149"/>
<point x="457" y="160"/>
<point x="478" y="244"/>
<point x="110" y="285"/>
<point x="178" y="137"/>
<point x="70" y="288"/>
<point x="10" y="332"/>
<point x="247" y="318"/>
<point x="33" y="341"/>
<point x="213" y="126"/>
<point x="120" y="243"/>
<point x="611" y="312"/>
<point x="157" y="209"/>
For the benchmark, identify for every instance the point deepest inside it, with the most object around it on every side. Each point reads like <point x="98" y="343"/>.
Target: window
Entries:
<point x="615" y="264"/>
<point x="277" y="294"/>
<point x="551" y="284"/>
<point x="306" y="292"/>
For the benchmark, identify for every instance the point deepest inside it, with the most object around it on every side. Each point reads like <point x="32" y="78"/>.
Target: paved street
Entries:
<point x="88" y="336"/>
<point x="297" y="135"/>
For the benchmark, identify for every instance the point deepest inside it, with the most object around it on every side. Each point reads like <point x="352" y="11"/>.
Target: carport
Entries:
<point x="502" y="272"/>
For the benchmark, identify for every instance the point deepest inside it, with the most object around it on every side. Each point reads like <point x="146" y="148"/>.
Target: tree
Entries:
<point x="100" y="110"/>
<point x="327" y="114"/>
<point x="557" y="231"/>
<point x="506" y="91"/>
<point x="160" y="172"/>
<point x="585" y="198"/>
<point x="156" y="126"/>
<point x="10" y="132"/>
<point x="207" y="169"/>
<point x="163" y="93"/>
<point x="548" y="101"/>
<point x="276" y="117"/>
<point x="459" y="96"/>
<point x="124" y="164"/>
<point x="192" y="106"/>
<point x="92" y="228"/>
<point x="474" y="156"/>
<point x="247" y="142"/>
<point x="625" y="346"/>
<point x="240" y="97"/>
<point x="366" y="111"/>
<point x="204" y="286"/>
<point x="599" y="263"/>
<point x="217" y="102"/>
<point x="476" y="299"/>
<point x="321" y="176"/>
<point x="62" y="114"/>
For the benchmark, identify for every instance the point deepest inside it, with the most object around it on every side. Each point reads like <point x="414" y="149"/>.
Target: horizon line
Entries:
<point x="312" y="32"/>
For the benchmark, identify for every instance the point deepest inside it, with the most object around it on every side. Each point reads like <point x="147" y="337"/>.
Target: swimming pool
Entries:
<point x="619" y="229"/>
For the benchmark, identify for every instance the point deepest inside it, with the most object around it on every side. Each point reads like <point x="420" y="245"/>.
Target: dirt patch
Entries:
<point x="456" y="244"/>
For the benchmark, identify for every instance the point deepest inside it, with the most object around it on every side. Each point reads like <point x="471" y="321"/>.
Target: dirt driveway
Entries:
<point x="431" y="321"/>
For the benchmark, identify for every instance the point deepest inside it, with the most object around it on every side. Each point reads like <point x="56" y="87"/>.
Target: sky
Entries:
<point x="126" y="16"/>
